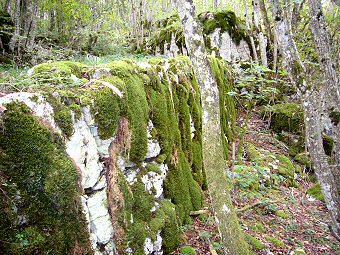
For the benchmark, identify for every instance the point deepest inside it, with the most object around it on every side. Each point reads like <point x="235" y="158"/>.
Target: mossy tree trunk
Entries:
<point x="215" y="167"/>
<point x="331" y="79"/>
<point x="312" y="96"/>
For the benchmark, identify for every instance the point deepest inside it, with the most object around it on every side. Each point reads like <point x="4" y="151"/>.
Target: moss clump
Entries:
<point x="170" y="232"/>
<point x="167" y="28"/>
<point x="106" y="111"/>
<point x="135" y="105"/>
<point x="76" y="109"/>
<point x="256" y="244"/>
<point x="328" y="144"/>
<point x="257" y="227"/>
<point x="138" y="232"/>
<point x="315" y="191"/>
<point x="286" y="167"/>
<point x="36" y="167"/>
<point x="161" y="158"/>
<point x="253" y="154"/>
<point x="287" y="117"/>
<point x="182" y="188"/>
<point x="58" y="73"/>
<point x="153" y="168"/>
<point x="276" y="242"/>
<point x="64" y="121"/>
<point x="247" y="177"/>
<point x="282" y="214"/>
<point x="303" y="159"/>
<point x="187" y="250"/>
<point x="226" y="21"/>
<point x="197" y="163"/>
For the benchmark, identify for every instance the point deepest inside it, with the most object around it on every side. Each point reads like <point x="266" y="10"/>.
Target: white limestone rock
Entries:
<point x="228" y="49"/>
<point x="153" y="146"/>
<point x="154" y="247"/>
<point x="36" y="103"/>
<point x="100" y="221"/>
<point x="100" y="73"/>
<point x="154" y="181"/>
<point x="82" y="148"/>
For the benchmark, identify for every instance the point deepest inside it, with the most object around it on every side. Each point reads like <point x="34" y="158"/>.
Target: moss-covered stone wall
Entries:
<point x="225" y="36"/>
<point x="60" y="145"/>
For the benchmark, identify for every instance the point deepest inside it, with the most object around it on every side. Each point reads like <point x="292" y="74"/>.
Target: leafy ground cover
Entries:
<point x="278" y="219"/>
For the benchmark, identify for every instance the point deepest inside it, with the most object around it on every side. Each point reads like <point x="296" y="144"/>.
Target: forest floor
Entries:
<point x="280" y="220"/>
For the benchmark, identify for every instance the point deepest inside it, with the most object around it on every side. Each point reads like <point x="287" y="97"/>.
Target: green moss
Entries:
<point x="161" y="158"/>
<point x="197" y="162"/>
<point x="76" y="109"/>
<point x="57" y="73"/>
<point x="257" y="227"/>
<point x="46" y="180"/>
<point x="256" y="244"/>
<point x="315" y="191"/>
<point x="302" y="159"/>
<point x="137" y="107"/>
<point x="287" y="117"/>
<point x="276" y="242"/>
<point x="137" y="234"/>
<point x="223" y="77"/>
<point x="226" y="21"/>
<point x="187" y="250"/>
<point x="286" y="167"/>
<point x="171" y="232"/>
<point x="106" y="111"/>
<point x="282" y="214"/>
<point x="64" y="121"/>
<point x="143" y="202"/>
<point x="153" y="168"/>
<point x="298" y="170"/>
<point x="253" y="154"/>
<point x="335" y="117"/>
<point x="181" y="188"/>
<point x="328" y="144"/>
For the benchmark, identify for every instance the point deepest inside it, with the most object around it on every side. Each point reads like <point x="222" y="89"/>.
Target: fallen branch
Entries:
<point x="247" y="207"/>
<point x="199" y="212"/>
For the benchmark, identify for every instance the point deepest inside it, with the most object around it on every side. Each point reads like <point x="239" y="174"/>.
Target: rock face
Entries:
<point x="224" y="36"/>
<point x="159" y="172"/>
<point x="227" y="48"/>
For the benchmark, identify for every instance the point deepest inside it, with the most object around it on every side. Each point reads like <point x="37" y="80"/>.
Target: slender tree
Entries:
<point x="214" y="163"/>
<point x="331" y="81"/>
<point x="312" y="96"/>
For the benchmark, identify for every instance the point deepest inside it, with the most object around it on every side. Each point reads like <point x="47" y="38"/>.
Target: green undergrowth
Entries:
<point x="256" y="244"/>
<point x="41" y="211"/>
<point x="315" y="191"/>
<point x="268" y="170"/>
<point x="287" y="117"/>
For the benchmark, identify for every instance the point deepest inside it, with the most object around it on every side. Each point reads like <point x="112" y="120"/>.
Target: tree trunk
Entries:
<point x="17" y="21"/>
<point x="331" y="80"/>
<point x="232" y="238"/>
<point x="253" y="47"/>
<point x="312" y="98"/>
<point x="259" y="30"/>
